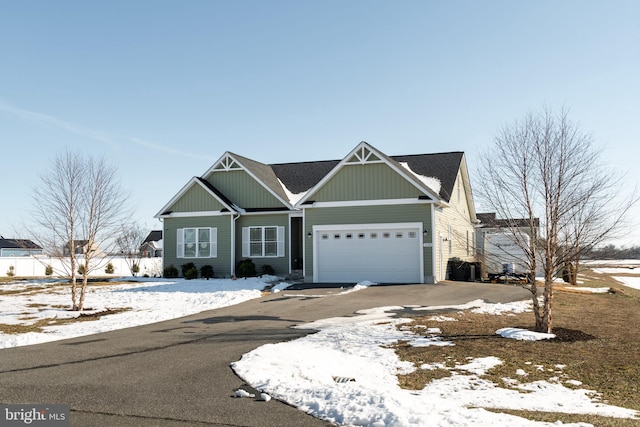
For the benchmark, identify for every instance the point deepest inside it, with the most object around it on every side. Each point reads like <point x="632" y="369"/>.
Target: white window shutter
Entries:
<point x="180" y="243"/>
<point x="213" y="240"/>
<point x="281" y="245"/>
<point x="245" y="241"/>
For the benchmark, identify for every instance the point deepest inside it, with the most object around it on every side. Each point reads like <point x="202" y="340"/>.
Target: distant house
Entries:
<point x="18" y="247"/>
<point x="367" y="216"/>
<point x="496" y="241"/>
<point x="80" y="248"/>
<point x="152" y="245"/>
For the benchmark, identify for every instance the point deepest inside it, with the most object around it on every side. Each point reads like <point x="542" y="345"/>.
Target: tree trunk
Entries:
<point x="72" y="280"/>
<point x="536" y="306"/>
<point x="85" y="279"/>
<point x="547" y="297"/>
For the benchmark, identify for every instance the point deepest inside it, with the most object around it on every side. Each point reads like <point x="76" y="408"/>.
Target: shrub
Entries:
<point x="11" y="272"/>
<point x="135" y="268"/>
<point x="170" y="272"/>
<point x="191" y="273"/>
<point x="268" y="270"/>
<point x="246" y="268"/>
<point x="109" y="269"/>
<point x="186" y="267"/>
<point x="48" y="270"/>
<point x="206" y="271"/>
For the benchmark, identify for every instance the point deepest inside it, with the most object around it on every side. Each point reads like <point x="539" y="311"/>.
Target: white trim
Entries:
<point x="317" y="229"/>
<point x="233" y="244"/>
<point x="304" y="246"/>
<point x="182" y="191"/>
<point x="180" y="243"/>
<point x="287" y="212"/>
<point x="226" y="156"/>
<point x="280" y="245"/>
<point x="245" y="242"/>
<point x="383" y="158"/>
<point x="213" y="242"/>
<point x="378" y="202"/>
<point x="194" y="214"/>
<point x="379" y="226"/>
<point x="434" y="257"/>
<point x="280" y="241"/>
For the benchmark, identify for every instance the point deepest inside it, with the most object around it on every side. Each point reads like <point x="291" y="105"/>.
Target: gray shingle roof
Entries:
<point x="299" y="177"/>
<point x="264" y="173"/>
<point x="154" y="236"/>
<point x="18" y="244"/>
<point x="443" y="166"/>
<point x="489" y="220"/>
<point x="302" y="176"/>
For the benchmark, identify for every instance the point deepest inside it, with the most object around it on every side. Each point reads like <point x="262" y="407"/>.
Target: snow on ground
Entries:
<point x="357" y="348"/>
<point x="147" y="301"/>
<point x="630" y="281"/>
<point x="345" y="373"/>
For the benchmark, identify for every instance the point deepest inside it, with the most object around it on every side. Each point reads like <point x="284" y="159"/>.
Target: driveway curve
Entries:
<point x="176" y="373"/>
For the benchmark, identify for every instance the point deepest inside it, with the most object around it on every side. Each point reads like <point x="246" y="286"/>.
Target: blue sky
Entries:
<point x="163" y="88"/>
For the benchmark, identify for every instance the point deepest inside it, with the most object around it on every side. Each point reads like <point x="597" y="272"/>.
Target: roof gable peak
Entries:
<point x="225" y="163"/>
<point x="363" y="153"/>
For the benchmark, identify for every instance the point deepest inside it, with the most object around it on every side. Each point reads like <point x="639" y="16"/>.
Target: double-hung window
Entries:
<point x="263" y="242"/>
<point x="197" y="243"/>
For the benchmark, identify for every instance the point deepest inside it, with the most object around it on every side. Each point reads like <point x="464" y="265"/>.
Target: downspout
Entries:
<point x="163" y="246"/>
<point x="434" y="265"/>
<point x="234" y="218"/>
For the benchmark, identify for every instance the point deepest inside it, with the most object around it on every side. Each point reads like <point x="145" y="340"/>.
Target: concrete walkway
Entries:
<point x="176" y="373"/>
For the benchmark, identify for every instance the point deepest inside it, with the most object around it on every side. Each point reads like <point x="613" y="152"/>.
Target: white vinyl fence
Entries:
<point x="35" y="267"/>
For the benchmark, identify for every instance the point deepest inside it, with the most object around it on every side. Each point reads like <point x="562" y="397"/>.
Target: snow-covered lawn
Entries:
<point x="344" y="373"/>
<point x="630" y="281"/>
<point x="147" y="301"/>
<point x="348" y="376"/>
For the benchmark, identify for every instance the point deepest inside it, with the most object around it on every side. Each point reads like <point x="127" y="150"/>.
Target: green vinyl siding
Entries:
<point x="369" y="215"/>
<point x="246" y="192"/>
<point x="221" y="264"/>
<point x="366" y="182"/>
<point x="196" y="199"/>
<point x="279" y="264"/>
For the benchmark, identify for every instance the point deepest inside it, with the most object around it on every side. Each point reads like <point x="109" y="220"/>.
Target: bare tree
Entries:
<point x="129" y="241"/>
<point x="57" y="202"/>
<point x="78" y="200"/>
<point x="104" y="210"/>
<point x="545" y="167"/>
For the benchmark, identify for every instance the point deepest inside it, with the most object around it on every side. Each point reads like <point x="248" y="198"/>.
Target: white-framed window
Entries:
<point x="263" y="242"/>
<point x="199" y="242"/>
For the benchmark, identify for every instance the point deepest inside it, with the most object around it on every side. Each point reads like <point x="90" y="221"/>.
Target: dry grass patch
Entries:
<point x="597" y="343"/>
<point x="27" y="291"/>
<point x="42" y="323"/>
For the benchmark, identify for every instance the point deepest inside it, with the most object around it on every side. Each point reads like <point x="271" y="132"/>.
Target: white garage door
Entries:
<point x="382" y="254"/>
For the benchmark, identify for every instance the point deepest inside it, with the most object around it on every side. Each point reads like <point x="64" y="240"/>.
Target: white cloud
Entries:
<point x="92" y="134"/>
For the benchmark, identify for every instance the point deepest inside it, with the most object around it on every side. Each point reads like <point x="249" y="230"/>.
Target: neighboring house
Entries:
<point x="152" y="245"/>
<point x="80" y="248"/>
<point x="18" y="247"/>
<point x="369" y="216"/>
<point x="496" y="241"/>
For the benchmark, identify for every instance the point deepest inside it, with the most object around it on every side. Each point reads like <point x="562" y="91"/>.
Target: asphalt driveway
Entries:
<point x="176" y="373"/>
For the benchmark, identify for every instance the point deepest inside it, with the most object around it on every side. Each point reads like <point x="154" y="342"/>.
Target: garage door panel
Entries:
<point x="389" y="255"/>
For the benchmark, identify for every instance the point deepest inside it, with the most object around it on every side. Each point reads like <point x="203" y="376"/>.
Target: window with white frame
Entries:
<point x="263" y="242"/>
<point x="197" y="242"/>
